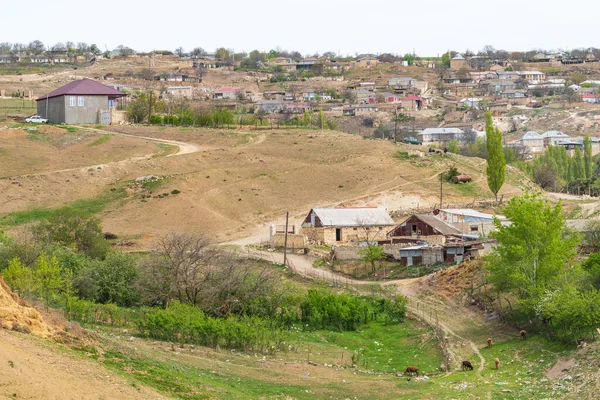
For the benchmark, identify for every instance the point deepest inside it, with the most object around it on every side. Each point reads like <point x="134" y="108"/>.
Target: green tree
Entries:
<point x="496" y="164"/>
<point x="322" y="120"/>
<point x="579" y="165"/>
<point x="445" y="60"/>
<point x="587" y="157"/>
<point x="592" y="267"/>
<point x="18" y="276"/>
<point x="532" y="251"/>
<point x="371" y="253"/>
<point x="73" y="228"/>
<point x="47" y="278"/>
<point x="453" y="147"/>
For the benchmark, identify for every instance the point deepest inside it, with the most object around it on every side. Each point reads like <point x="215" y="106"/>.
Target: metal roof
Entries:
<point x="83" y="87"/>
<point x="440" y="131"/>
<point x="471" y="213"/>
<point x="353" y="216"/>
<point x="531" y="135"/>
<point x="554" y="134"/>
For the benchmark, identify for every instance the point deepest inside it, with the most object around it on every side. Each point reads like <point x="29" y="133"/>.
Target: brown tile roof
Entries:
<point x="83" y="87"/>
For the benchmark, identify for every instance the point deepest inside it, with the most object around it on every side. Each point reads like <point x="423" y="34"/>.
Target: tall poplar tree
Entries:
<point x="496" y="164"/>
<point x="587" y="157"/>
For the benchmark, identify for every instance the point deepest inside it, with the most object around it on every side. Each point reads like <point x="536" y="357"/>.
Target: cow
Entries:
<point x="489" y="342"/>
<point x="467" y="365"/>
<point x="411" y="370"/>
<point x="523" y="334"/>
<point x="497" y="361"/>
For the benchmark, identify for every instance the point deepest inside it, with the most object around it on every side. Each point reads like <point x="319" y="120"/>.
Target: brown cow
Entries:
<point x="523" y="334"/>
<point x="497" y="363"/>
<point x="489" y="342"/>
<point x="411" y="370"/>
<point x="467" y="365"/>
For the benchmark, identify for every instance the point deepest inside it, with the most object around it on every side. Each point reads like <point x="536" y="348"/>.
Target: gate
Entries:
<point x="105" y="117"/>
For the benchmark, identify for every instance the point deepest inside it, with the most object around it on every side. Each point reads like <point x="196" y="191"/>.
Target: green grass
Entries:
<point x="18" y="107"/>
<point x="403" y="156"/>
<point x="383" y="348"/>
<point x="100" y="140"/>
<point x="466" y="189"/>
<point x="166" y="149"/>
<point x="86" y="206"/>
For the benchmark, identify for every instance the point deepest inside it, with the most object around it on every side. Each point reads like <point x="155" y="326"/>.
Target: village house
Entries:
<point x="359" y="109"/>
<point x="80" y="102"/>
<point x="590" y="98"/>
<point x="441" y="135"/>
<point x="306" y="63"/>
<point x="230" y="93"/>
<point x="423" y="227"/>
<point x="402" y="82"/>
<point x="552" y="138"/>
<point x="532" y="76"/>
<point x="390" y="97"/>
<point x="335" y="226"/>
<point x="412" y="103"/>
<point x="365" y="62"/>
<point x="532" y="142"/>
<point x="469" y="222"/>
<point x="270" y="106"/>
<point x="508" y="75"/>
<point x="296" y="108"/>
<point x="458" y="62"/>
<point x="364" y="96"/>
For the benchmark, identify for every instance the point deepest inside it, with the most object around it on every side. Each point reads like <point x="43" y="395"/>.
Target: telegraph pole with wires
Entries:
<point x="441" y="189"/>
<point x="287" y="214"/>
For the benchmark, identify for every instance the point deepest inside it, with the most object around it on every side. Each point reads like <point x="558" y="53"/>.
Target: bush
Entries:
<point x="157" y="120"/>
<point x="343" y="312"/>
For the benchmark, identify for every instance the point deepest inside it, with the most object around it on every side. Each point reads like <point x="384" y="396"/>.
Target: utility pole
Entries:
<point x="287" y="214"/>
<point x="396" y="126"/>
<point x="441" y="190"/>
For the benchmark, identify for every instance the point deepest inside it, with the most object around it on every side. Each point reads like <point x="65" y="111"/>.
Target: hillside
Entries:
<point x="230" y="181"/>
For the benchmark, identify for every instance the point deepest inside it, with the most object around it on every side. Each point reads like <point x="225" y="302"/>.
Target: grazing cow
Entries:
<point x="411" y="370"/>
<point x="467" y="365"/>
<point x="497" y="363"/>
<point x="523" y="334"/>
<point x="489" y="342"/>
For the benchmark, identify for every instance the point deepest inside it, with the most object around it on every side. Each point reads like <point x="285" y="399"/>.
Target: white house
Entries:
<point x="532" y="142"/>
<point x="551" y="138"/>
<point x="436" y="135"/>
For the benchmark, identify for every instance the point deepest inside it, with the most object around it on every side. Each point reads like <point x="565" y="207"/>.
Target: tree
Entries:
<point x="72" y="228"/>
<point x="579" y="166"/>
<point x="496" y="164"/>
<point x="199" y="52"/>
<point x="94" y="49"/>
<point x="349" y="96"/>
<point x="125" y="51"/>
<point x="533" y="252"/>
<point x="587" y="157"/>
<point x="47" y="278"/>
<point x="453" y="147"/>
<point x="110" y="280"/>
<point x="445" y="60"/>
<point x="36" y="47"/>
<point x="18" y="276"/>
<point x="179" y="51"/>
<point x="371" y="253"/>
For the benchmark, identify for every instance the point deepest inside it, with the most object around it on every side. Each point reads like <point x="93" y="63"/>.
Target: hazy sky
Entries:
<point x="343" y="26"/>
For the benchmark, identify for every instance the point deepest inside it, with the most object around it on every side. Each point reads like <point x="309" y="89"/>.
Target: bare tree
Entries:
<point x="192" y="270"/>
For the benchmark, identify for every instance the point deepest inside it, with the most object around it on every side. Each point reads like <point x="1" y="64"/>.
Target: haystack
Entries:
<point x="17" y="315"/>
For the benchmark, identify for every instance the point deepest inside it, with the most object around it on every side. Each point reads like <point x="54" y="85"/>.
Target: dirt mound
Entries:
<point x="51" y="130"/>
<point x="453" y="281"/>
<point x="17" y="315"/>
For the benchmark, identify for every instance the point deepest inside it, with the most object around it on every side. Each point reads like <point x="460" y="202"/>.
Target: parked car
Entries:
<point x="411" y="140"/>
<point x="36" y="119"/>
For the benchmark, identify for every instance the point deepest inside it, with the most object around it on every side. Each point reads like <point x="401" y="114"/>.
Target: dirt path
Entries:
<point x="184" y="148"/>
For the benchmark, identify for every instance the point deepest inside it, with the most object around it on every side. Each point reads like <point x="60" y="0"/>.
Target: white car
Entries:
<point x="36" y="119"/>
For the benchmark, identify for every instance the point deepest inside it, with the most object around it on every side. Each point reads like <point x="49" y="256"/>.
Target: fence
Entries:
<point x="16" y="107"/>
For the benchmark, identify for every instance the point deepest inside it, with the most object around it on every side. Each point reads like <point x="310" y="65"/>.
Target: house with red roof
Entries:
<point x="80" y="102"/>
<point x="590" y="98"/>
<point x="231" y="93"/>
<point x="412" y="102"/>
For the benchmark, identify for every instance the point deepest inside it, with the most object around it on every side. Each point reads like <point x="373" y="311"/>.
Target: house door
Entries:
<point x="338" y="235"/>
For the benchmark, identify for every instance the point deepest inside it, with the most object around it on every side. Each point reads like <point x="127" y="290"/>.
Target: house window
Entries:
<point x="474" y="228"/>
<point x="72" y="101"/>
<point x="80" y="101"/>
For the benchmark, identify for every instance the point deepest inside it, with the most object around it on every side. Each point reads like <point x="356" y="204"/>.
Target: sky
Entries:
<point x="346" y="27"/>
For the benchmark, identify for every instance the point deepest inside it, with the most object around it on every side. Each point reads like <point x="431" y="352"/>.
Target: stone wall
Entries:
<point x="293" y="241"/>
